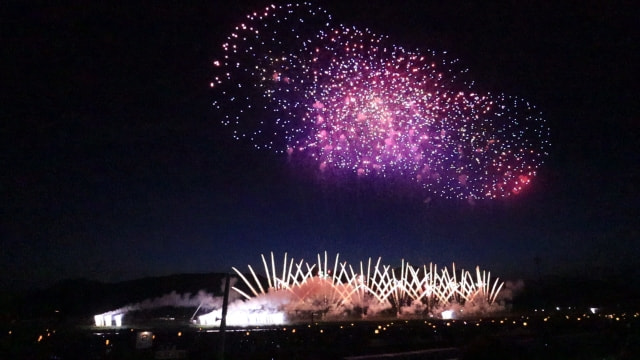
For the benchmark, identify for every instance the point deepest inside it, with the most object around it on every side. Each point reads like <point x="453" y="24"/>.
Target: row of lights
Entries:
<point x="384" y="327"/>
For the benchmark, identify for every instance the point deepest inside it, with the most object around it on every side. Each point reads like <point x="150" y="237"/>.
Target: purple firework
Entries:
<point x="353" y="102"/>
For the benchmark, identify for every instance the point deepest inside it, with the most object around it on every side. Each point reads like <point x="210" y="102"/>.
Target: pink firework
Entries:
<point x="354" y="103"/>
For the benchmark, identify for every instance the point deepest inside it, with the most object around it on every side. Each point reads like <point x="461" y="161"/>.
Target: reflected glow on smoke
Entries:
<point x="108" y="319"/>
<point x="118" y="319"/>
<point x="447" y="314"/>
<point x="242" y="317"/>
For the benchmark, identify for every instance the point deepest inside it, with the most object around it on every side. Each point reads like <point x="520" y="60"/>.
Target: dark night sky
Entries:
<point x="115" y="165"/>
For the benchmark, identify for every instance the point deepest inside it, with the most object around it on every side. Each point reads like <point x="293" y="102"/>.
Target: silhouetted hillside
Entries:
<point x="584" y="292"/>
<point x="82" y="297"/>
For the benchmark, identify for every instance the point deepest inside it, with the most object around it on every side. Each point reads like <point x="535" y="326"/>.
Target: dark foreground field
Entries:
<point x="554" y="335"/>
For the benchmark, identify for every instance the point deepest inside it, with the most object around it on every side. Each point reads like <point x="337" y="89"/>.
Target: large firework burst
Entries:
<point x="355" y="103"/>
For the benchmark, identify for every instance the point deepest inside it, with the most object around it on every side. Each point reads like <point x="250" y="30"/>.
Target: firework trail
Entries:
<point x="353" y="103"/>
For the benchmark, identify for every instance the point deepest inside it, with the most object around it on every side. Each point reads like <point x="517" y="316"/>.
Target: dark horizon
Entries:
<point x="117" y="166"/>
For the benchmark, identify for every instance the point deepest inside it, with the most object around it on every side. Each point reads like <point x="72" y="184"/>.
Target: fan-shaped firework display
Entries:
<point x="353" y="102"/>
<point x="335" y="289"/>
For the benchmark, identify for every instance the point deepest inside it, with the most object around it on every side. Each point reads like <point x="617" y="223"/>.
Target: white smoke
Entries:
<point x="201" y="299"/>
<point x="173" y="299"/>
<point x="510" y="290"/>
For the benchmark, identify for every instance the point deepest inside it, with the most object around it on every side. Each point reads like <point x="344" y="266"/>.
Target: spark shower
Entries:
<point x="296" y="290"/>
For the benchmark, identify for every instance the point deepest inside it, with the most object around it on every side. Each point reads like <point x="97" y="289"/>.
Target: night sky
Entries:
<point x="116" y="167"/>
